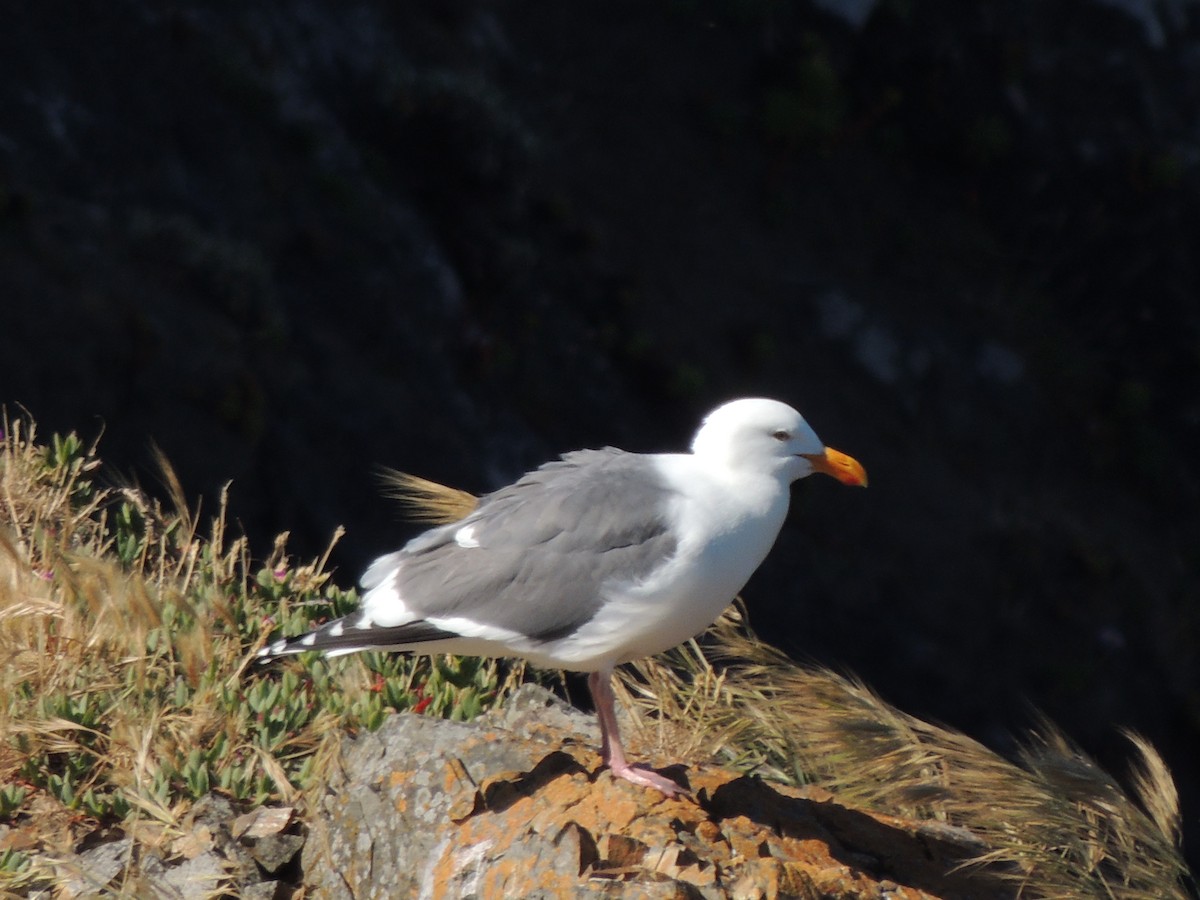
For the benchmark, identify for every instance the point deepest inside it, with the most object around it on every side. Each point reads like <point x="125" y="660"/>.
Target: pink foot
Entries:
<point x="611" y="749"/>
<point x="648" y="778"/>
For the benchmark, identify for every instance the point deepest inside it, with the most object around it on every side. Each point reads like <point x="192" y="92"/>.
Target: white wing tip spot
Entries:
<point x="465" y="537"/>
<point x="275" y="648"/>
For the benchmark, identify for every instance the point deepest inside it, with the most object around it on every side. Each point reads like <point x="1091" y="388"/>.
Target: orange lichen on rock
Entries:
<point x="537" y="816"/>
<point x="739" y="837"/>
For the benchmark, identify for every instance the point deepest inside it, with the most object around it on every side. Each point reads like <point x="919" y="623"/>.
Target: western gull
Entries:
<point x="596" y="559"/>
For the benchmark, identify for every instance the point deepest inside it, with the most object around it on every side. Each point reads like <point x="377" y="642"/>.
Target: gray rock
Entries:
<point x="533" y="710"/>
<point x="388" y="826"/>
<point x="275" y="851"/>
<point x="193" y="879"/>
<point x="264" y="890"/>
<point x="93" y="870"/>
<point x="213" y="860"/>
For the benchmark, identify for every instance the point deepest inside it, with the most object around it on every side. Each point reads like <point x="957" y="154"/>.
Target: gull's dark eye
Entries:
<point x="782" y="436"/>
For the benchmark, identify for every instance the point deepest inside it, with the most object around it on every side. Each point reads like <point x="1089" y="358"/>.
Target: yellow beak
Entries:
<point x="845" y="469"/>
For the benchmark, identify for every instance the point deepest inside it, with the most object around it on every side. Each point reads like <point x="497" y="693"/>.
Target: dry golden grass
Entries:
<point x="1053" y="820"/>
<point x="128" y="632"/>
<point x="424" y="500"/>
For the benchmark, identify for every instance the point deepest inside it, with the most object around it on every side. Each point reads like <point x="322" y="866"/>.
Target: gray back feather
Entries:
<point x="548" y="546"/>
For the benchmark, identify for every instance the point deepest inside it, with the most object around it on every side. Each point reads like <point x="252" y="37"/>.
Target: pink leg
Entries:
<point x="611" y="749"/>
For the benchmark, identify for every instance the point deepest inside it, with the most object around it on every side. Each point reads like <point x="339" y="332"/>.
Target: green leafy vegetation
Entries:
<point x="130" y="688"/>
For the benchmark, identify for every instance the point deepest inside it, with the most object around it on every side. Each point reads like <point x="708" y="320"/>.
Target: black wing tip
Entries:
<point x="336" y="639"/>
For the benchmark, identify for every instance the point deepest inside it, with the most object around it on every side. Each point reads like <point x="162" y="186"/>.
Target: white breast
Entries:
<point x="727" y="523"/>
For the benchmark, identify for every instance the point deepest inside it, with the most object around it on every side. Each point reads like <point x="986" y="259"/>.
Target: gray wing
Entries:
<point x="546" y="546"/>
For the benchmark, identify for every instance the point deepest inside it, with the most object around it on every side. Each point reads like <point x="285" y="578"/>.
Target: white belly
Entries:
<point x="728" y="531"/>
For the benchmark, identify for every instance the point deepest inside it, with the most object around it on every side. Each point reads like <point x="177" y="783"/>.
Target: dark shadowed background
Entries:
<point x="290" y="242"/>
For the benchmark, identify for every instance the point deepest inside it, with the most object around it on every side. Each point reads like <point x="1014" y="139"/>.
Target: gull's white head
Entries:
<point x="767" y="436"/>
